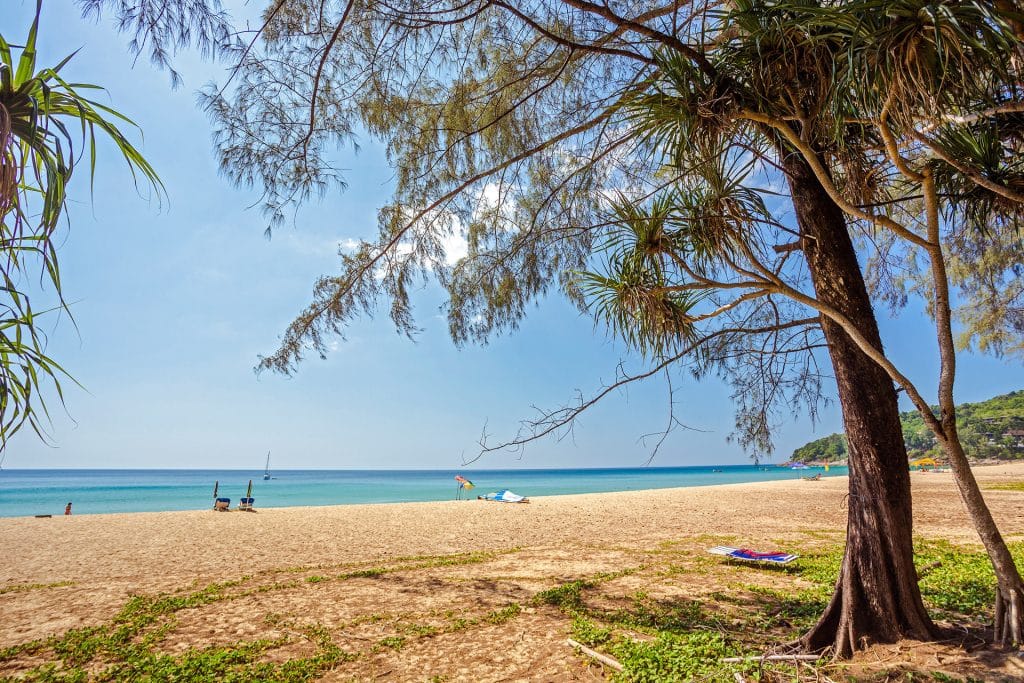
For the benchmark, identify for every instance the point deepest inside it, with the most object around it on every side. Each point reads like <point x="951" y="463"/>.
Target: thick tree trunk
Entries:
<point x="877" y="597"/>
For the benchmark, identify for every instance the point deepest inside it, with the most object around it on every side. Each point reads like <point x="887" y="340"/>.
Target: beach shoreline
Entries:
<point x="33" y="542"/>
<point x="32" y="492"/>
<point x="68" y="572"/>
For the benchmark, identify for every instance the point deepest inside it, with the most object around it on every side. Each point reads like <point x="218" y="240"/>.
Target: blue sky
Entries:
<point x="174" y="304"/>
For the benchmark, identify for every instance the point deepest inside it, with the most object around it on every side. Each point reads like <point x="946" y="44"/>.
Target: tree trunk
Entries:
<point x="876" y="597"/>
<point x="1009" y="610"/>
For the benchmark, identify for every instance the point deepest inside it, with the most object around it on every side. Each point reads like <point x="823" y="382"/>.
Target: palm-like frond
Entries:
<point x="636" y="305"/>
<point x="716" y="211"/>
<point x="981" y="148"/>
<point x="783" y="59"/>
<point x="921" y="57"/>
<point x="634" y="297"/>
<point x="42" y="118"/>
<point x="680" y="108"/>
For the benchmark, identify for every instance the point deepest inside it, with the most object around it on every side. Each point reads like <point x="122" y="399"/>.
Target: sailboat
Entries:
<point x="266" y="469"/>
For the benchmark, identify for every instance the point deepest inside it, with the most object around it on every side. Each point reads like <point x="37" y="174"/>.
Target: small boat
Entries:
<point x="266" y="468"/>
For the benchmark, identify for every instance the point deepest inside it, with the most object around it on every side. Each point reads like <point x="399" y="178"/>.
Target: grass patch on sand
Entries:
<point x="672" y="657"/>
<point x="569" y="595"/>
<point x="500" y="616"/>
<point x="23" y="587"/>
<point x="408" y="562"/>
<point x="686" y="639"/>
<point x="1006" y="486"/>
<point x="404" y="564"/>
<point x="962" y="585"/>
<point x="128" y="647"/>
<point x="665" y="622"/>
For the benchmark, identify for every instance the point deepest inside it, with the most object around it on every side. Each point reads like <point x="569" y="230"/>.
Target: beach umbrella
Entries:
<point x="248" y="493"/>
<point x="216" y="486"/>
<point x="463" y="484"/>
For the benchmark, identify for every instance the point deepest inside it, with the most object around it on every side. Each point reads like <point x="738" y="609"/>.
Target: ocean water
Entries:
<point x="34" y="492"/>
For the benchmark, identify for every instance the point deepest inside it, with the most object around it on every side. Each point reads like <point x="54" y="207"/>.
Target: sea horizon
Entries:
<point x="468" y="467"/>
<point x="40" y="491"/>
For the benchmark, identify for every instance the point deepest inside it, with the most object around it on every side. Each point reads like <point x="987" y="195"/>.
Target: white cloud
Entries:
<point x="488" y="197"/>
<point x="455" y="244"/>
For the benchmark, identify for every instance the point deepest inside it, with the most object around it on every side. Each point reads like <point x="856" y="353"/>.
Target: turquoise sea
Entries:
<point x="34" y="492"/>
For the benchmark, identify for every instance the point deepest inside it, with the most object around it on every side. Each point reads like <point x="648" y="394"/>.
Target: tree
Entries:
<point x="39" y="114"/>
<point x="908" y="121"/>
<point x="936" y="93"/>
<point x="542" y="129"/>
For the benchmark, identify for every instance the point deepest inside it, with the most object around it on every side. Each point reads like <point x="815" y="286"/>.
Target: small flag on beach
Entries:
<point x="463" y="482"/>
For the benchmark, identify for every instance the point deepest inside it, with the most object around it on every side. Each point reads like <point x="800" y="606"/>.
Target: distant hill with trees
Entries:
<point x="992" y="429"/>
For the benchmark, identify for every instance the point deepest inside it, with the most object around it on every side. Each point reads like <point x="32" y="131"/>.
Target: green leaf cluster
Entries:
<point x="676" y="657"/>
<point x="48" y="127"/>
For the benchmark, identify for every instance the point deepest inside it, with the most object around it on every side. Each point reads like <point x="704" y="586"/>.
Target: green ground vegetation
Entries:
<point x="988" y="430"/>
<point x="22" y="587"/>
<point x="687" y="640"/>
<point x="1009" y="486"/>
<point x="635" y="614"/>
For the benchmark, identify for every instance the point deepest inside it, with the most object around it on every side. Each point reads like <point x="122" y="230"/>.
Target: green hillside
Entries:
<point x="992" y="429"/>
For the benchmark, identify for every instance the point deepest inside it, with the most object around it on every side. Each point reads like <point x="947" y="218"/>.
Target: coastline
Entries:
<point x="68" y="572"/>
<point x="31" y="492"/>
<point x="36" y="545"/>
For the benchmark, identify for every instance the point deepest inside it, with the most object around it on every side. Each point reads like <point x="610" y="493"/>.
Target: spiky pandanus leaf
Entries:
<point x="636" y="296"/>
<point x="634" y="304"/>
<point x="925" y="56"/>
<point x="981" y="148"/>
<point x="680" y="108"/>
<point x="784" y="62"/>
<point x="42" y="119"/>
<point x="716" y="211"/>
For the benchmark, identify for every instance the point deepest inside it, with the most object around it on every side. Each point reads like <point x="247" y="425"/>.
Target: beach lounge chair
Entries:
<point x="222" y="504"/>
<point x="245" y="503"/>
<point x="504" y="496"/>
<point x="748" y="555"/>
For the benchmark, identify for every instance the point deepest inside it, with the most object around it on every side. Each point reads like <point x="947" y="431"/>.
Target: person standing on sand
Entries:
<point x="67" y="508"/>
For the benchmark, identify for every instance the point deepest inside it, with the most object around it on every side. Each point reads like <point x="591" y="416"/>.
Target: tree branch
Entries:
<point x="555" y="420"/>
<point x="826" y="181"/>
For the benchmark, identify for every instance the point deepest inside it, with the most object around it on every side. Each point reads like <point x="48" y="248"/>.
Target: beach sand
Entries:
<point x="302" y="566"/>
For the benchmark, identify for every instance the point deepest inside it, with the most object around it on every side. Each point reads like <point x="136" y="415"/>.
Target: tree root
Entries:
<point x="1009" y="619"/>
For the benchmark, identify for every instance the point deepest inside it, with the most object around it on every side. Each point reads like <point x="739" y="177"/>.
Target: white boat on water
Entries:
<point x="266" y="468"/>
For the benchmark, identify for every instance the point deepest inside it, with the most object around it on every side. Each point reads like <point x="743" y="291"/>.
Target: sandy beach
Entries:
<point x="69" y="572"/>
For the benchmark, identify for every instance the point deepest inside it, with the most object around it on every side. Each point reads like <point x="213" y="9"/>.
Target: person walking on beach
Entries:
<point x="67" y="508"/>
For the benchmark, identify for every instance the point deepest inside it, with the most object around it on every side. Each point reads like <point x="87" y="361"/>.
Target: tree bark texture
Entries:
<point x="876" y="597"/>
<point x="1009" y="609"/>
